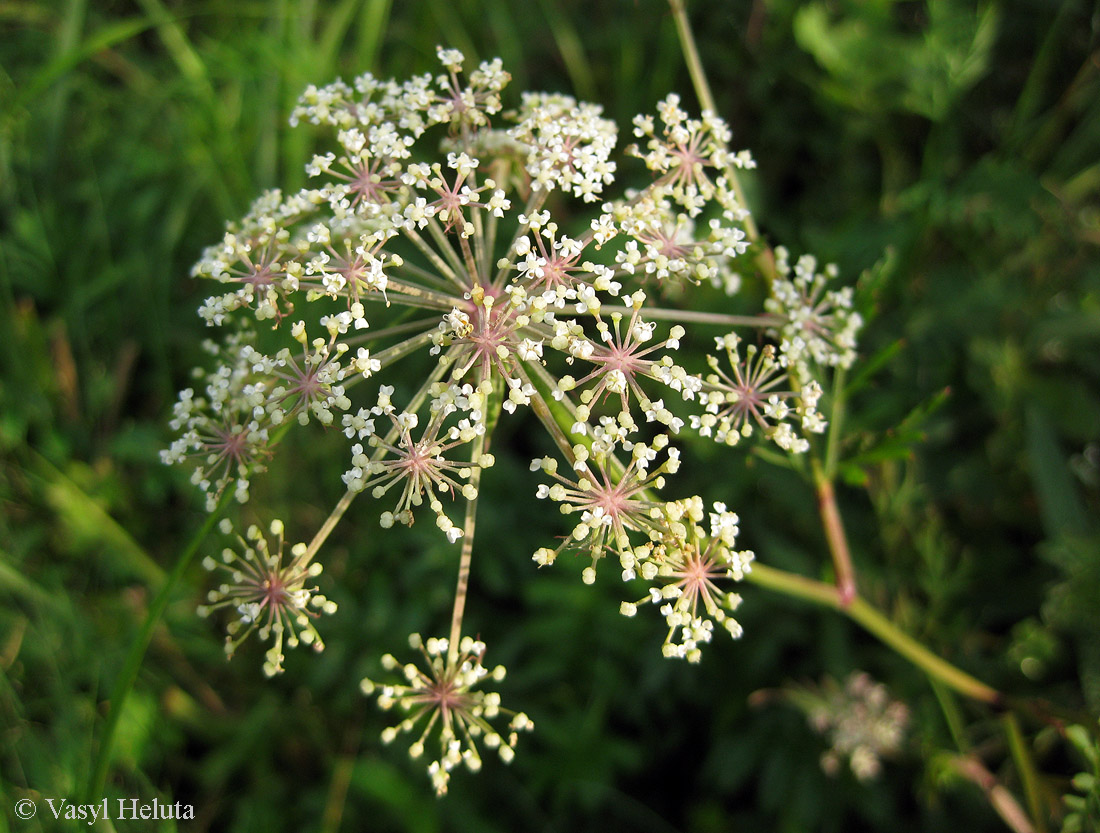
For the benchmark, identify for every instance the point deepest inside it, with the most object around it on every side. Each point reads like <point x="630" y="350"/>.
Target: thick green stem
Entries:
<point x="878" y="625"/>
<point x="128" y="676"/>
<point x="836" y="421"/>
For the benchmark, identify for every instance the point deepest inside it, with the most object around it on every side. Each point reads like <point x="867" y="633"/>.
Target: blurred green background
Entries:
<point x="947" y="152"/>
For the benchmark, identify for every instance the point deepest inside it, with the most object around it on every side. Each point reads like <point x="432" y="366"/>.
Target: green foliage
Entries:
<point x="954" y="146"/>
<point x="1084" y="803"/>
<point x="875" y="65"/>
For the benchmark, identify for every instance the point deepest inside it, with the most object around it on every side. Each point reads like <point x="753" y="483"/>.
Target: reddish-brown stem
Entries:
<point x="1003" y="801"/>
<point x="835" y="537"/>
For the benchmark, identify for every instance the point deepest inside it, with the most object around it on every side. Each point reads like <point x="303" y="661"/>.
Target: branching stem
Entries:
<point x="801" y="587"/>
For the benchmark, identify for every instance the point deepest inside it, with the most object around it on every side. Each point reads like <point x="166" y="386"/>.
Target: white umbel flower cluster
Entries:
<point x="444" y="695"/>
<point x="434" y="278"/>
<point x="267" y="595"/>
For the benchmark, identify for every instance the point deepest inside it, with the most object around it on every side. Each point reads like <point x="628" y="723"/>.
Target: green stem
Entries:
<point x="128" y="676"/>
<point x="951" y="714"/>
<point x="836" y="420"/>
<point x="327" y="527"/>
<point x="697" y="317"/>
<point x="1025" y="767"/>
<point x="461" y="586"/>
<point x="821" y="593"/>
<point x="765" y="259"/>
<point x="800" y="587"/>
<point x="551" y="413"/>
<point x="706" y="99"/>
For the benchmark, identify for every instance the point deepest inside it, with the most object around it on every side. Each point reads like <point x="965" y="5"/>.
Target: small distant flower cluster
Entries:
<point x="436" y="275"/>
<point x="862" y="722"/>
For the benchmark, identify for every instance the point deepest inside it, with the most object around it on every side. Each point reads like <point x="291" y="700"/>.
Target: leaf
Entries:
<point x="1071" y="604"/>
<point x="896" y="444"/>
<point x="876" y="67"/>
<point x="872" y="365"/>
<point x="1060" y="506"/>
